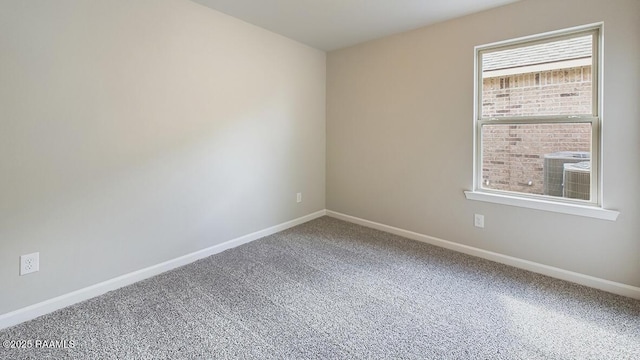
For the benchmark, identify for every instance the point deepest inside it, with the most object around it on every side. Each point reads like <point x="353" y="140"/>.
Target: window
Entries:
<point x="537" y="118"/>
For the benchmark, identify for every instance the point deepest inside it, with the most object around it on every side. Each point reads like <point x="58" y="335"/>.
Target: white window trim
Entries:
<point x="544" y="205"/>
<point x="591" y="209"/>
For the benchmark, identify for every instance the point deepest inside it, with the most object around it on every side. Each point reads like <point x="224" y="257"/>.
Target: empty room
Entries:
<point x="330" y="179"/>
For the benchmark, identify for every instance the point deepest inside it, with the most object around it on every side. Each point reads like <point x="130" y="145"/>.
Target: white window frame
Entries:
<point x="590" y="208"/>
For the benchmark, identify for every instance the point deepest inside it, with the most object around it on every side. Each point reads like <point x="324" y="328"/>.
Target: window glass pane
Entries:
<point x="553" y="78"/>
<point x="544" y="159"/>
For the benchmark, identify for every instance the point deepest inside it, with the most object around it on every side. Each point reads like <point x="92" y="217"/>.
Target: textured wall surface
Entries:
<point x="400" y="137"/>
<point x="513" y="155"/>
<point x="134" y="132"/>
<point x="553" y="92"/>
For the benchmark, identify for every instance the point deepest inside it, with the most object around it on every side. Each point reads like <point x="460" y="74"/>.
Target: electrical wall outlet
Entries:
<point x="29" y="263"/>
<point x="478" y="220"/>
<point x="299" y="197"/>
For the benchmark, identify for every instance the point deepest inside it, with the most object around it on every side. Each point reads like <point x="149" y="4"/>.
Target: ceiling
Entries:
<point x="334" y="24"/>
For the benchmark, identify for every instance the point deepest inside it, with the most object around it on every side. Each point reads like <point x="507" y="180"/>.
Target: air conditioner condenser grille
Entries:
<point x="554" y="169"/>
<point x="577" y="180"/>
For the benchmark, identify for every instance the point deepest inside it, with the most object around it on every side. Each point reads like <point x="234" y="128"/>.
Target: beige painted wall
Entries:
<point x="134" y="132"/>
<point x="399" y="138"/>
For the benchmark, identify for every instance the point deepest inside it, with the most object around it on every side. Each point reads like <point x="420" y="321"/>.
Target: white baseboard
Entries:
<point x="48" y="306"/>
<point x="62" y="301"/>
<point x="586" y="280"/>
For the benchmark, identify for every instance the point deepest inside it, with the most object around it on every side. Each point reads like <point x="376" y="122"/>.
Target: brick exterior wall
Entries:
<point x="513" y="155"/>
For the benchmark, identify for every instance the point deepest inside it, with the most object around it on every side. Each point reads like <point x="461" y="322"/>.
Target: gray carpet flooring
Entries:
<point x="328" y="289"/>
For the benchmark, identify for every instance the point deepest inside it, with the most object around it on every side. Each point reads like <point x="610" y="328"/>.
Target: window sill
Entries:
<point x="571" y="209"/>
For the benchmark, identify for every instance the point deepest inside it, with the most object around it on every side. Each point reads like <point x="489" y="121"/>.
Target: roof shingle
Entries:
<point x="568" y="49"/>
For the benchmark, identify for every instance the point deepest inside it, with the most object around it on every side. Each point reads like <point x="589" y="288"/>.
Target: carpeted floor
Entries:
<point x="328" y="289"/>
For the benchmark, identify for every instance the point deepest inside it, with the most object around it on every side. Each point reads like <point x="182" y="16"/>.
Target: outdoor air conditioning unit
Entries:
<point x="577" y="180"/>
<point x="554" y="169"/>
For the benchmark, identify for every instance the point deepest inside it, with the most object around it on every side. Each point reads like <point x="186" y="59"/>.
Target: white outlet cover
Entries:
<point x="478" y="220"/>
<point x="29" y="263"/>
<point x="299" y="197"/>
